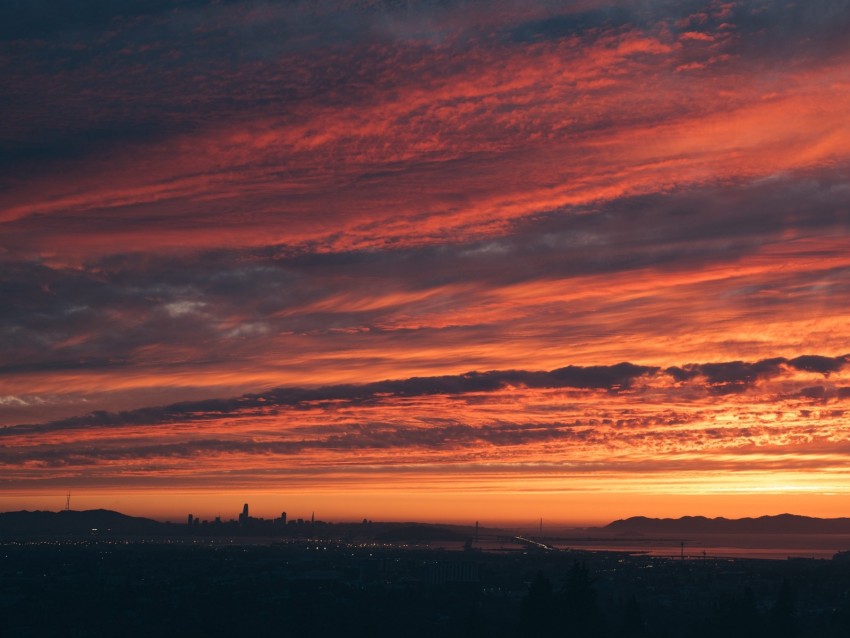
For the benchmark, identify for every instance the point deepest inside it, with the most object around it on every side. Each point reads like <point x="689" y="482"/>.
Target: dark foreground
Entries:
<point x="315" y="589"/>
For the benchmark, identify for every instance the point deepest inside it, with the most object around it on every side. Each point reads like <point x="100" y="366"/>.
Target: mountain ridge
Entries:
<point x="75" y="522"/>
<point x="38" y="522"/>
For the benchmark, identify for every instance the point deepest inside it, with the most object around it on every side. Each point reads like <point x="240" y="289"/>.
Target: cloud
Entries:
<point x="621" y="375"/>
<point x="736" y="376"/>
<point x="731" y="372"/>
<point x="321" y="161"/>
<point x="364" y="437"/>
<point x="355" y="202"/>
<point x="813" y="392"/>
<point x="572" y="24"/>
<point x="816" y="363"/>
<point x="654" y="266"/>
<point x="732" y="377"/>
<point x="611" y="378"/>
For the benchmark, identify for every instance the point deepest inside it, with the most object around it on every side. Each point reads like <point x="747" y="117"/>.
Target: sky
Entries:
<point x="435" y="260"/>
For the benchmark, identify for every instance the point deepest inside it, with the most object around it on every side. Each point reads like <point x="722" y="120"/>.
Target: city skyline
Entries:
<point x="428" y="260"/>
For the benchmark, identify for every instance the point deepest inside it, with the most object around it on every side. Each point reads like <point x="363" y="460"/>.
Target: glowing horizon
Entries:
<point x="447" y="261"/>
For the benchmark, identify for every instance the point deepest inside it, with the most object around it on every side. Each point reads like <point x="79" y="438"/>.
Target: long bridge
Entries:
<point x="527" y="542"/>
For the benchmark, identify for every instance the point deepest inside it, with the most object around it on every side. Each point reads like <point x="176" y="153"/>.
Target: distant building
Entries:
<point x="283" y="518"/>
<point x="243" y="517"/>
<point x="190" y="521"/>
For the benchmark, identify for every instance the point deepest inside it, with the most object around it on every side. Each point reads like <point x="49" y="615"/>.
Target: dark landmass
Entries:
<point x="781" y="524"/>
<point x="100" y="573"/>
<point x="75" y="522"/>
<point x="106" y="523"/>
<point x="326" y="589"/>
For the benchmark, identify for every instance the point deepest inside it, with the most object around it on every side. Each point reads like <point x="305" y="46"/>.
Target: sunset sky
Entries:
<point x="443" y="260"/>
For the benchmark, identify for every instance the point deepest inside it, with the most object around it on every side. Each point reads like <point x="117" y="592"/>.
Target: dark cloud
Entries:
<point x="359" y="437"/>
<point x="53" y="317"/>
<point x="612" y="378"/>
<point x="813" y="392"/>
<point x="89" y="76"/>
<point x="571" y="24"/>
<point x="618" y="376"/>
<point x="55" y="365"/>
<point x="731" y="377"/>
<point x="92" y="77"/>
<point x="734" y="377"/>
<point x="24" y="19"/>
<point x="730" y="373"/>
<point x="817" y="27"/>
<point x="816" y="363"/>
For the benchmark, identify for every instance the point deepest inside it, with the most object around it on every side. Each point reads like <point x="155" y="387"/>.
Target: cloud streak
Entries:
<point x="357" y="203"/>
<point x="578" y="419"/>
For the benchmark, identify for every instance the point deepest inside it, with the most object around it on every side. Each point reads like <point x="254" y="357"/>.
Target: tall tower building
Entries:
<point x="243" y="517"/>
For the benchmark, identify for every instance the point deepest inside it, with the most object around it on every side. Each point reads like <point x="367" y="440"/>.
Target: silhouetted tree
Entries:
<point x="782" y="620"/>
<point x="839" y="620"/>
<point x="744" y="617"/>
<point x="631" y="623"/>
<point x="537" y="611"/>
<point x="735" y="616"/>
<point x="579" y="611"/>
<point x="474" y="624"/>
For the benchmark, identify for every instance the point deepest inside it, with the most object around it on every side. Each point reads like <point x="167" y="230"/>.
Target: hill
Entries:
<point x="75" y="522"/>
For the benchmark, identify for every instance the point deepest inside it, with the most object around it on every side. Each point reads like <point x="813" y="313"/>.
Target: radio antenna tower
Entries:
<point x="68" y="502"/>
